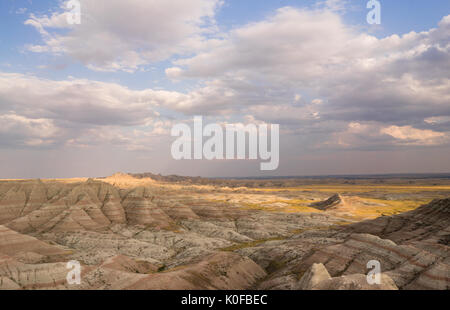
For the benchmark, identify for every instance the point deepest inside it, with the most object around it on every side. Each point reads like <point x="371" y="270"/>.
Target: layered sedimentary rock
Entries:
<point x="332" y="202"/>
<point x="218" y="271"/>
<point x="140" y="209"/>
<point x="113" y="209"/>
<point x="127" y="264"/>
<point x="176" y="210"/>
<point x="318" y="278"/>
<point x="429" y="224"/>
<point x="166" y="237"/>
<point x="32" y="276"/>
<point x="408" y="266"/>
<point x="37" y="219"/>
<point x="12" y="204"/>
<point x="8" y="284"/>
<point x="412" y="248"/>
<point x="36" y="196"/>
<point x="13" y="243"/>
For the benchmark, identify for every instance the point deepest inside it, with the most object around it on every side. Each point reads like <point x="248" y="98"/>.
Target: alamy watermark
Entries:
<point x="374" y="275"/>
<point x="374" y="15"/>
<point x="74" y="275"/>
<point x="74" y="13"/>
<point x="231" y="144"/>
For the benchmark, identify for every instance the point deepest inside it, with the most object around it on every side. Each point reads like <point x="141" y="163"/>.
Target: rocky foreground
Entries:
<point x="162" y="237"/>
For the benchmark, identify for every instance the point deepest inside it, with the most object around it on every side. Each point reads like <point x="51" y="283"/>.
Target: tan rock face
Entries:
<point x="166" y="236"/>
<point x="36" y="197"/>
<point x="127" y="264"/>
<point x="315" y="275"/>
<point x="113" y="209"/>
<point x="12" y="204"/>
<point x="356" y="282"/>
<point x="38" y="219"/>
<point x="427" y="224"/>
<point x="12" y="243"/>
<point x="219" y="271"/>
<point x="318" y="278"/>
<point x="334" y="201"/>
<point x="8" y="284"/>
<point x="418" y="259"/>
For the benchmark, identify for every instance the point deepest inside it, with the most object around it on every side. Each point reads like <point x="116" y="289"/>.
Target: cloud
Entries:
<point x="334" y="5"/>
<point x="377" y="136"/>
<point x="21" y="11"/>
<point x="349" y="76"/>
<point x="285" y="113"/>
<point x="323" y="80"/>
<point x="275" y="47"/>
<point x="125" y="35"/>
<point x="19" y="131"/>
<point x="77" y="101"/>
<point x="410" y="135"/>
<point x="37" y="112"/>
<point x="437" y="120"/>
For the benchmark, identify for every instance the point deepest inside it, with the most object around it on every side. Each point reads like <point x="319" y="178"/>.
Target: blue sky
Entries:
<point x="342" y="91"/>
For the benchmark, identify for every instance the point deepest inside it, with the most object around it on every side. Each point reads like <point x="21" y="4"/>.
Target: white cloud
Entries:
<point x="375" y="135"/>
<point x="334" y="5"/>
<point x="410" y="135"/>
<point x="383" y="87"/>
<point x="78" y="101"/>
<point x="275" y="47"/>
<point x="124" y="35"/>
<point x="21" y="11"/>
<point x="437" y="120"/>
<point x="16" y="130"/>
<point x="358" y="77"/>
<point x="38" y="112"/>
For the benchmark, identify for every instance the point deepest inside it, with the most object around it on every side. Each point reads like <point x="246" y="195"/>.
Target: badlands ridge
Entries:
<point x="146" y="233"/>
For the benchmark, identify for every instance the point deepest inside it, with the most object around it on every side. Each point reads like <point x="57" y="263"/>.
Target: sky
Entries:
<point x="99" y="97"/>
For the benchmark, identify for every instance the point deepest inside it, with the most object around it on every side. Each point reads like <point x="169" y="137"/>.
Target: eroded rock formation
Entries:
<point x="154" y="236"/>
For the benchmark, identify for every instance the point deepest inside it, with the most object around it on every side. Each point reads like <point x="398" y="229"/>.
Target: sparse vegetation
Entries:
<point x="191" y="234"/>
